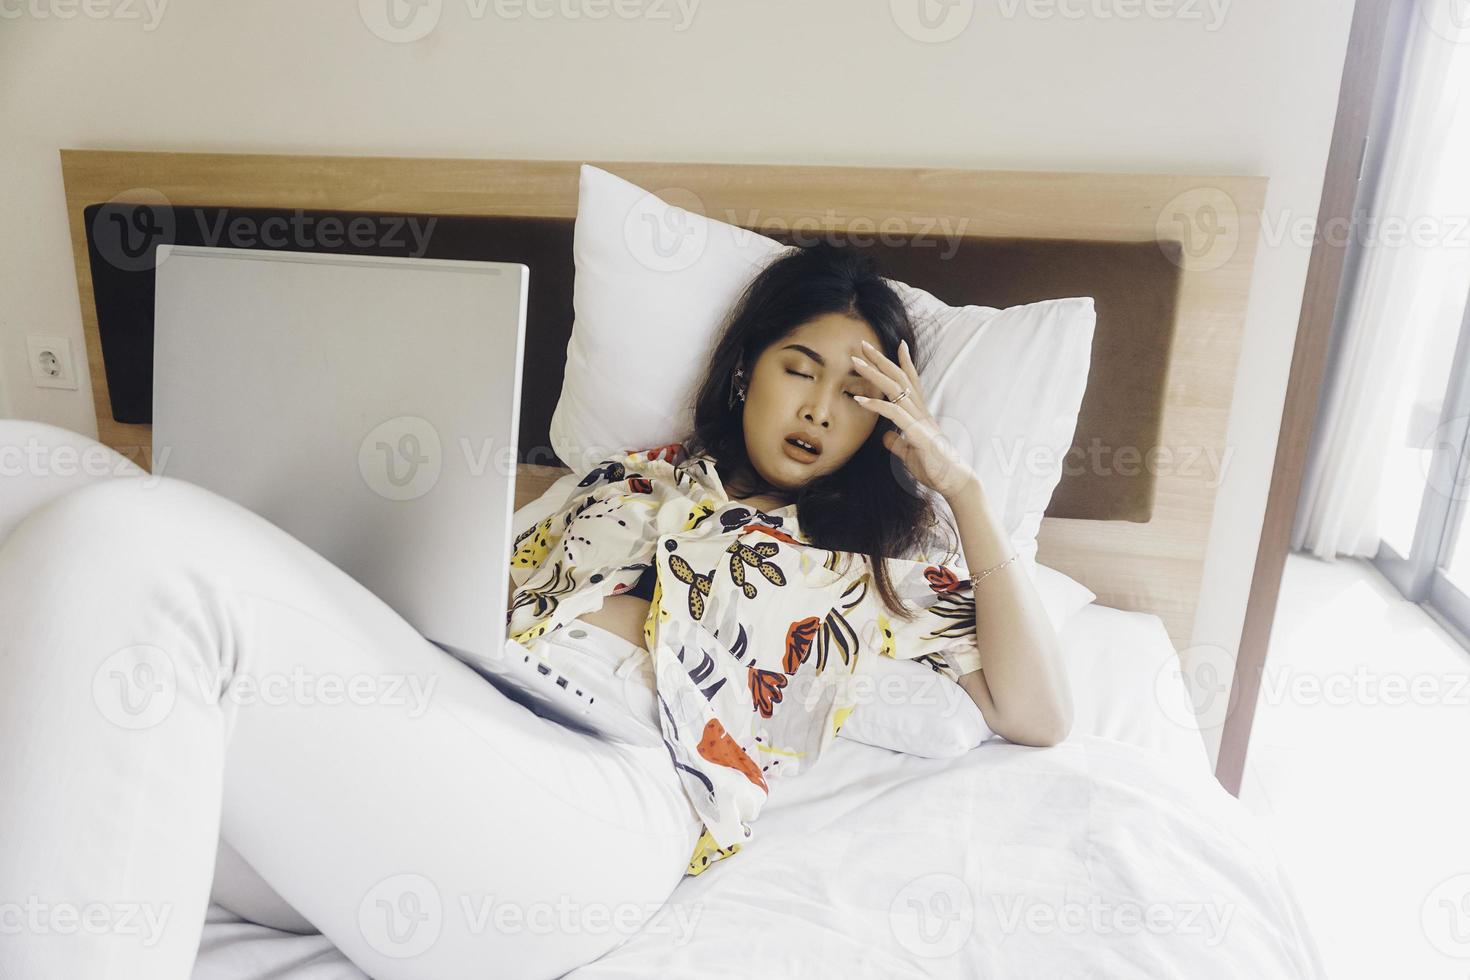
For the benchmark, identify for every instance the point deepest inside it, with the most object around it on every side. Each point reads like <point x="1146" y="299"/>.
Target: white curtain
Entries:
<point x="1367" y="433"/>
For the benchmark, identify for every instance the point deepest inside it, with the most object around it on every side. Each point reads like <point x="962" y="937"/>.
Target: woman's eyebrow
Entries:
<point x="819" y="358"/>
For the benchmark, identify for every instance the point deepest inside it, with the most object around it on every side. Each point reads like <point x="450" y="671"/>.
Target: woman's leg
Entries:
<point x="176" y="670"/>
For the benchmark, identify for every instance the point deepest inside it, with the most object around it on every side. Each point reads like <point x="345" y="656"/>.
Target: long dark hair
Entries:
<point x="871" y="505"/>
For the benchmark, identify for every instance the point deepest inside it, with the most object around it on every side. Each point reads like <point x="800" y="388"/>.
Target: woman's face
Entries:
<point x="801" y="387"/>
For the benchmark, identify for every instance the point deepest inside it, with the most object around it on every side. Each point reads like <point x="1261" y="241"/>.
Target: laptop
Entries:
<point x="369" y="406"/>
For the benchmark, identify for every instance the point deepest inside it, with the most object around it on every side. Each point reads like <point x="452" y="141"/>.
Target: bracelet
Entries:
<point x="975" y="580"/>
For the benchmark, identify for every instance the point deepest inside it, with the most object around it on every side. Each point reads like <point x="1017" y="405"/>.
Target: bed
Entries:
<point x="1114" y="854"/>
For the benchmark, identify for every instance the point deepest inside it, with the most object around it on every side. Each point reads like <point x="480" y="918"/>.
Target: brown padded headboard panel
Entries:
<point x="1134" y="286"/>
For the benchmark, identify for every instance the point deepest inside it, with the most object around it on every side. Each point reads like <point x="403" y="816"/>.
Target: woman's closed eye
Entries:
<point x="808" y="376"/>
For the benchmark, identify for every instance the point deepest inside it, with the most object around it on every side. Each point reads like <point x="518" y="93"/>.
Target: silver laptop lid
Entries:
<point x="368" y="406"/>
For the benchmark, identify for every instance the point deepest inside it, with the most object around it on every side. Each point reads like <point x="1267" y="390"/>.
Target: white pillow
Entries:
<point x="653" y="284"/>
<point x="907" y="707"/>
<point x="1006" y="386"/>
<point x="656" y="282"/>
<point x="1063" y="596"/>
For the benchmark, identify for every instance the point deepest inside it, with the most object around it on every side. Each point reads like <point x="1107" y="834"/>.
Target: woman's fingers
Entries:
<point x="886" y="384"/>
<point x="906" y="361"/>
<point x="886" y="367"/>
<point x="893" y="378"/>
<point x="892" y="411"/>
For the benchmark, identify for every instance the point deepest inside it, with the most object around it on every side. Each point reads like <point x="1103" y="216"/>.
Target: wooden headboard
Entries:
<point x="1200" y="232"/>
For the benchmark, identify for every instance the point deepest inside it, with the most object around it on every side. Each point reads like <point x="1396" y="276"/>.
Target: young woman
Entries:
<point x="197" y="705"/>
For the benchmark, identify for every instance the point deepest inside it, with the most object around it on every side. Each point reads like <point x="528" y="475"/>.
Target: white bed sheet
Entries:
<point x="1114" y="854"/>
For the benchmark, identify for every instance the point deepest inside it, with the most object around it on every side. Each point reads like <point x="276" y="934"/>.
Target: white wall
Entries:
<point x="1186" y="86"/>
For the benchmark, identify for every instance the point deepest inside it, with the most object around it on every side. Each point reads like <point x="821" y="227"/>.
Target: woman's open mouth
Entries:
<point x="799" y="449"/>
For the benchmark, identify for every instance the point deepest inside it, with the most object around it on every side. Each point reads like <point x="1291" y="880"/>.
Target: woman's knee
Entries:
<point x="130" y="518"/>
<point x="40" y="463"/>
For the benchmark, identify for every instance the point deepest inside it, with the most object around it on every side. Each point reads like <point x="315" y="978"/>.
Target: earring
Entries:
<point x="737" y="390"/>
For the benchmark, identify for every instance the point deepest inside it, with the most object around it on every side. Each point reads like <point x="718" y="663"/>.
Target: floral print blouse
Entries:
<point x="755" y="634"/>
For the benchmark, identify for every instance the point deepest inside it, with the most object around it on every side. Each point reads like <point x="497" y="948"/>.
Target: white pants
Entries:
<point x="177" y="673"/>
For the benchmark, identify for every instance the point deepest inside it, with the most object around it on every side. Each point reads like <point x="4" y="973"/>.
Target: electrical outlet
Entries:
<point x="51" y="362"/>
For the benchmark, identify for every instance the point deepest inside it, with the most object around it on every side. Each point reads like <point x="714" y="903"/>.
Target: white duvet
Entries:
<point x="1090" y="859"/>
<point x="1114" y="854"/>
<point x="1094" y="858"/>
